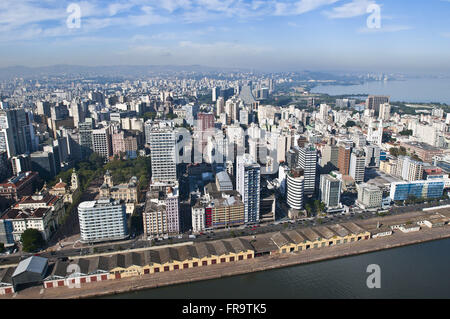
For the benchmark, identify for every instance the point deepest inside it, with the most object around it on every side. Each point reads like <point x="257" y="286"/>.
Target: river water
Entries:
<point x="418" y="271"/>
<point x="409" y="90"/>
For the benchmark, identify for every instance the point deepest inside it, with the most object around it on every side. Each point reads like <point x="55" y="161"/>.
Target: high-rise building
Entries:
<point x="373" y="102"/>
<point x="385" y="112"/>
<point x="215" y="93"/>
<point x="163" y="153"/>
<point x="220" y="106"/>
<point x="248" y="174"/>
<point x="85" y="137"/>
<point x="295" y="188"/>
<point x="102" y="220"/>
<point x="307" y="160"/>
<point x="330" y="156"/>
<point x="330" y="190"/>
<point x="344" y="159"/>
<point x="101" y="142"/>
<point x="357" y="165"/>
<point x="16" y="132"/>
<point x="198" y="218"/>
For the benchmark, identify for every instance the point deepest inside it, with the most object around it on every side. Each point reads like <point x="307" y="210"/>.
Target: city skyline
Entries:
<point x="265" y="35"/>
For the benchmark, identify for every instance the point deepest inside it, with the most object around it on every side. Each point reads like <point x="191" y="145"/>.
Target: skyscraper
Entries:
<point x="357" y="165"/>
<point x="162" y="149"/>
<point x="295" y="188"/>
<point x="85" y="130"/>
<point x="373" y="102"/>
<point x="101" y="142"/>
<point x="248" y="174"/>
<point x="307" y="160"/>
<point x="330" y="190"/>
<point x="344" y="159"/>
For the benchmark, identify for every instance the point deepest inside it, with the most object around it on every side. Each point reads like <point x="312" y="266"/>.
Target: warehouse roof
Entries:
<point x="34" y="264"/>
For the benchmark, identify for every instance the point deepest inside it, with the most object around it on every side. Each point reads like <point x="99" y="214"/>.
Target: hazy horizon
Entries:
<point x="273" y="35"/>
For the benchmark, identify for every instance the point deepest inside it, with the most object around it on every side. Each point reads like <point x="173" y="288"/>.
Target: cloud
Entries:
<point x="351" y="9"/>
<point x="300" y="7"/>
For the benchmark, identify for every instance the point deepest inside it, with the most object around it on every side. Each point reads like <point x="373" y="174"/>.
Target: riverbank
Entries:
<point x="111" y="287"/>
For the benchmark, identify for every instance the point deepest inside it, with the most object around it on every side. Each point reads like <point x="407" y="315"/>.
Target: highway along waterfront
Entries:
<point x="417" y="271"/>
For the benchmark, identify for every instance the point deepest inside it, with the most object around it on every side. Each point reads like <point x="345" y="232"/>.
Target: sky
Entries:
<point x="412" y="36"/>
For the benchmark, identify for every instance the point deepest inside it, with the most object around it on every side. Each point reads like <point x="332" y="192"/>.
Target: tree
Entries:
<point x="32" y="240"/>
<point x="402" y="151"/>
<point x="2" y="248"/>
<point x="350" y="123"/>
<point x="394" y="151"/>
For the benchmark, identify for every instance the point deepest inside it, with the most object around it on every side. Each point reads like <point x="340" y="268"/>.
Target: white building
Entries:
<point x="295" y="189"/>
<point x="198" y="219"/>
<point x="357" y="165"/>
<point x="162" y="142"/>
<point x="102" y="220"/>
<point x="330" y="190"/>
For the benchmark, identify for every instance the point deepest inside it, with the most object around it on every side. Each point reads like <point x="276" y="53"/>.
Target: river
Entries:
<point x="409" y="90"/>
<point x="418" y="271"/>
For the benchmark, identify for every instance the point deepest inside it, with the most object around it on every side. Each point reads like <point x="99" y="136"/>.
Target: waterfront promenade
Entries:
<point x="109" y="287"/>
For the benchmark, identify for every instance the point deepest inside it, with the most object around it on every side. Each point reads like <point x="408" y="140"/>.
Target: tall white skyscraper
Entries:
<point x="162" y="142"/>
<point x="307" y="160"/>
<point x="248" y="175"/>
<point x="295" y="188"/>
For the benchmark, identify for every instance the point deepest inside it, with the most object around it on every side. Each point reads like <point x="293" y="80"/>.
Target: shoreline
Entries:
<point x="132" y="284"/>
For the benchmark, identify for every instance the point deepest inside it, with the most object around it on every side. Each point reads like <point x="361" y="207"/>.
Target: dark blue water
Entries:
<point x="419" y="271"/>
<point x="410" y="90"/>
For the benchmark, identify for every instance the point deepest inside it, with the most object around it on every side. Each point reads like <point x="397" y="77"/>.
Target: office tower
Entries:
<point x="43" y="108"/>
<point x="323" y="112"/>
<point x="101" y="142"/>
<point x="20" y="164"/>
<point x="16" y="132"/>
<point x="102" y="220"/>
<point x="373" y="102"/>
<point x="330" y="156"/>
<point x="220" y="106"/>
<point x="344" y="159"/>
<point x="77" y="113"/>
<point x="330" y="190"/>
<point x="163" y="153"/>
<point x="248" y="174"/>
<point x="307" y="160"/>
<point x="292" y="157"/>
<point x="44" y="163"/>
<point x="385" y="112"/>
<point x="85" y="137"/>
<point x="295" y="188"/>
<point x="373" y="153"/>
<point x="358" y="165"/>
<point x="215" y="93"/>
<point x="5" y="170"/>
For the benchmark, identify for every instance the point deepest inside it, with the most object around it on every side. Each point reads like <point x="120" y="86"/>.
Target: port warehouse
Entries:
<point x="129" y="264"/>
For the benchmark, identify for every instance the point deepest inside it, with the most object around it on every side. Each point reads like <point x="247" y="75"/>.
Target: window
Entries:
<point x="166" y="268"/>
<point x="231" y="258"/>
<point x="195" y="264"/>
<point x="157" y="269"/>
<point x="204" y="263"/>
<point x="185" y="266"/>
<point x="249" y="256"/>
<point x="241" y="257"/>
<point x="223" y="260"/>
